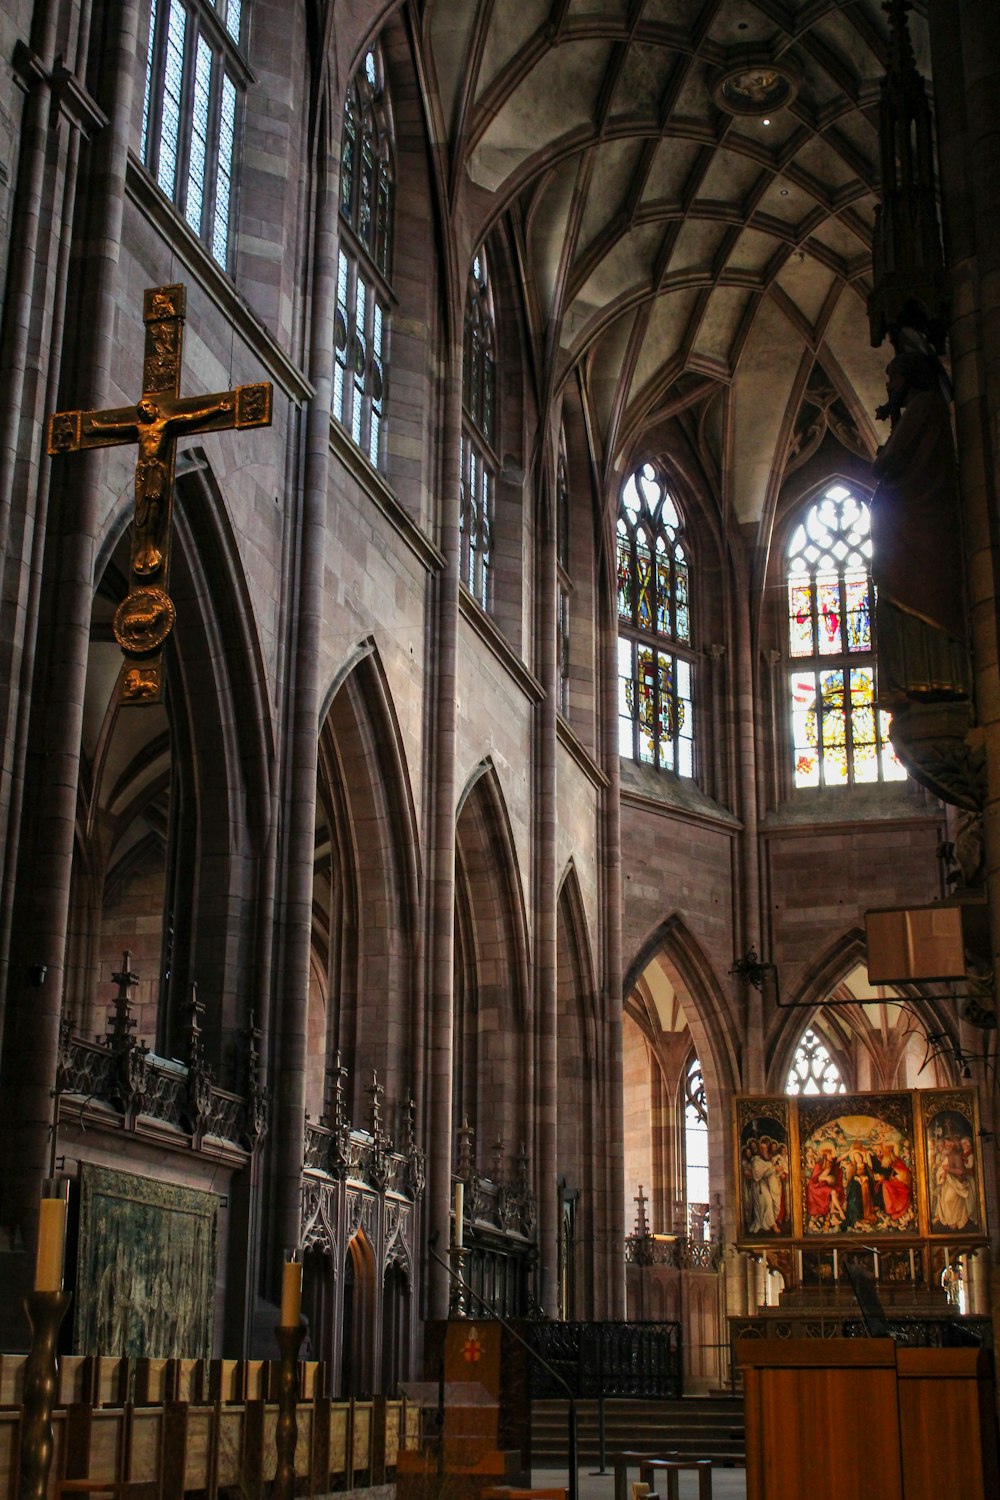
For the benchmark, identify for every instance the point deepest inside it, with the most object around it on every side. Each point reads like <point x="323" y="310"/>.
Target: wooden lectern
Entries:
<point x="851" y="1419"/>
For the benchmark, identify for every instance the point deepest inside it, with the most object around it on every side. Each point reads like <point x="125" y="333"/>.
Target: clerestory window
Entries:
<point x="361" y="324"/>
<point x="479" y="435"/>
<point x="195" y="79"/>
<point x="655" y="717"/>
<point x="839" y="735"/>
<point x="696" y="1151"/>
<point x="562" y="570"/>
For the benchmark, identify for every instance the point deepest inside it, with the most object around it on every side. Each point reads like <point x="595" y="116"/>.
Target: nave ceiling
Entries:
<point x="693" y="186"/>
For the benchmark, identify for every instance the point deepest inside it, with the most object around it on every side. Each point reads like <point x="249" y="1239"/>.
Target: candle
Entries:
<point x="291" y="1294"/>
<point x="798" y="1258"/>
<point x="836" y="1269"/>
<point x="459" y="1240"/>
<point x="913" y="1272"/>
<point x="51" y="1245"/>
<point x="875" y="1254"/>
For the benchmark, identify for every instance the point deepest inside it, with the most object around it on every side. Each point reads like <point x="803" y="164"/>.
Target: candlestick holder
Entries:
<point x="287" y="1431"/>
<point x="456" y="1305"/>
<point x="46" y="1311"/>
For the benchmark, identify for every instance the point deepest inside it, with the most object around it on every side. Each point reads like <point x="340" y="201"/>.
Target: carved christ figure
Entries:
<point x="154" y="426"/>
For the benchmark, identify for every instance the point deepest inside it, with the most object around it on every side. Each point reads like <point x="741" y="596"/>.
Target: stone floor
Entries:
<point x="727" y="1484"/>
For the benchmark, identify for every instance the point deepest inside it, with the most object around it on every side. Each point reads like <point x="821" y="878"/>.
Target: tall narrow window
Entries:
<point x="361" y="320"/>
<point x="655" y="718"/>
<point x="195" y="74"/>
<point x="813" y="1071"/>
<point x="696" y="1152"/>
<point x="479" y="465"/>
<point x="562" y="570"/>
<point x="839" y="735"/>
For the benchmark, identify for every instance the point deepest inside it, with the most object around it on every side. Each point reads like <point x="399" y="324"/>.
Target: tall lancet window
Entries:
<point x="696" y="1152"/>
<point x="655" y="718"/>
<point x="196" y="74"/>
<point x="839" y="736"/>
<point x="563" y="577"/>
<point x="479" y="433"/>
<point x="361" y="321"/>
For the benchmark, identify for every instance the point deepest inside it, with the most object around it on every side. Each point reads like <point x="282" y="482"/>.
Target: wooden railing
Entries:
<point x="639" y="1360"/>
<point x="201" y="1425"/>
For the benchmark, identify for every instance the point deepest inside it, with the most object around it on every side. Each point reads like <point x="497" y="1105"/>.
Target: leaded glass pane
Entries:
<point x="682" y="614"/>
<point x="383" y="228"/>
<point x="234" y="14"/>
<point x="360" y="359"/>
<point x="624" y="547"/>
<point x="857" y="593"/>
<point x="643" y="573"/>
<point x="892" y="767"/>
<point x="342" y="338"/>
<point x="800" y="620"/>
<point x="224" y="174"/>
<point x="198" y="148"/>
<point x="646" y="702"/>
<point x="148" y="93"/>
<point x="805" y="728"/>
<point x="626" y="698"/>
<point x="365" y="200"/>
<point x="828" y="609"/>
<point x="663" y="590"/>
<point x="347" y="157"/>
<point x="170" y="118"/>
<point x="834" y="728"/>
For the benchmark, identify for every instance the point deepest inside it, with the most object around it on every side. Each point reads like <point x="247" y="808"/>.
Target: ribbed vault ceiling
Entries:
<point x="679" y="254"/>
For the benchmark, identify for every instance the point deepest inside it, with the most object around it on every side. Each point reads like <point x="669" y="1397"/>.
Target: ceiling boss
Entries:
<point x="145" y="617"/>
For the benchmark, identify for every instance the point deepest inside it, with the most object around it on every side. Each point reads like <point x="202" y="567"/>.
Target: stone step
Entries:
<point x="697" y="1427"/>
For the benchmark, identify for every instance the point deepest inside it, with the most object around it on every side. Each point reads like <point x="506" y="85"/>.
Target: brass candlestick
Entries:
<point x="456" y="1305"/>
<point x="287" y="1431"/>
<point x="46" y="1311"/>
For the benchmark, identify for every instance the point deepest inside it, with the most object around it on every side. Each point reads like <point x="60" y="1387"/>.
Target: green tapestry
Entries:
<point x="145" y="1279"/>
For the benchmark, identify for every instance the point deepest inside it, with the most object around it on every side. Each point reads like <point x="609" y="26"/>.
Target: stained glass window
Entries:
<point x="839" y="736"/>
<point x="655" y="717"/>
<point x="361" y="320"/>
<point x="194" y="77"/>
<point x="479" y="465"/>
<point x="813" y="1071"/>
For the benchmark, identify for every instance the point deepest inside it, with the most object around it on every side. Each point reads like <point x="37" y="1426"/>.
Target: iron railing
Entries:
<point x="638" y="1360"/>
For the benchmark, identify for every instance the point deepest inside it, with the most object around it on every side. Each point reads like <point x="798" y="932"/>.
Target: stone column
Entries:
<point x="546" y="1103"/>
<point x="610" y="1225"/>
<point x="48" y="834"/>
<point x="443" y="675"/>
<point x="304" y="600"/>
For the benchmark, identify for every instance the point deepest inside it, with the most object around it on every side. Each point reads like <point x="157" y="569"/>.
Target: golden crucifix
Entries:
<point x="145" y="616"/>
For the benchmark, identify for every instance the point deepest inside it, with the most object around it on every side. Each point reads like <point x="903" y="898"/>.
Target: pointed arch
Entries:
<point x="845" y="1029"/>
<point x="365" y="894"/>
<point x="492" y="1043"/>
<point x="581" y="1092"/>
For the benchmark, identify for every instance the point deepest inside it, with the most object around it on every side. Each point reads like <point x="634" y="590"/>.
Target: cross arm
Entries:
<point x="70" y="431"/>
<point x="246" y="406"/>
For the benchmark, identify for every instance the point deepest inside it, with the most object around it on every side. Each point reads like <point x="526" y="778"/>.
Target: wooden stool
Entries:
<point x="672" y="1467"/>
<point x="632" y="1458"/>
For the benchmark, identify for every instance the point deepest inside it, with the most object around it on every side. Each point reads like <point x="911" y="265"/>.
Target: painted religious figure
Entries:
<point x="952" y="1171"/>
<point x="764" y="1157"/>
<point x="857" y="1167"/>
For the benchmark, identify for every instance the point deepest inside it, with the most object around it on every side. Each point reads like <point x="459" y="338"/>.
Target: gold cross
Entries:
<point x="145" y="617"/>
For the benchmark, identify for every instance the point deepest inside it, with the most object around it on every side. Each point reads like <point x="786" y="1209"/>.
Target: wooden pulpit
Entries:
<point x="850" y="1419"/>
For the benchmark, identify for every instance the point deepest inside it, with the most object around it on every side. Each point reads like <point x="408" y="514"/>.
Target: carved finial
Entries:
<point x="901" y="57"/>
<point x="641" y="1221"/>
<point x="466" y="1138"/>
<point x="121" y="1022"/>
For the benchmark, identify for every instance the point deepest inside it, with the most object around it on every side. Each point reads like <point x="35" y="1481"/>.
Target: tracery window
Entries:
<point x="479" y="466"/>
<point x="195" y="76"/>
<point x="655" y="716"/>
<point x="361" y="321"/>
<point x="696" y="1151"/>
<point x="839" y="735"/>
<point x="813" y="1070"/>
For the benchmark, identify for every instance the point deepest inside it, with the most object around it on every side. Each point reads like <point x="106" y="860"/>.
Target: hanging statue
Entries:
<point x="917" y="539"/>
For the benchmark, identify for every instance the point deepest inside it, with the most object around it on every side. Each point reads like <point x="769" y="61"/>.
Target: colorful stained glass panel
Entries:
<point x="857" y="594"/>
<point x="828" y="615"/>
<point x="800" y="621"/>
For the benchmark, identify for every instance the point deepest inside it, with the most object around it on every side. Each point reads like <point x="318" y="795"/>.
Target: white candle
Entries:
<point x="798" y="1258"/>
<point x="875" y="1254"/>
<point x="835" y="1268"/>
<point x="913" y="1272"/>
<point x="459" y="1239"/>
<point x="51" y="1245"/>
<point x="291" y="1294"/>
